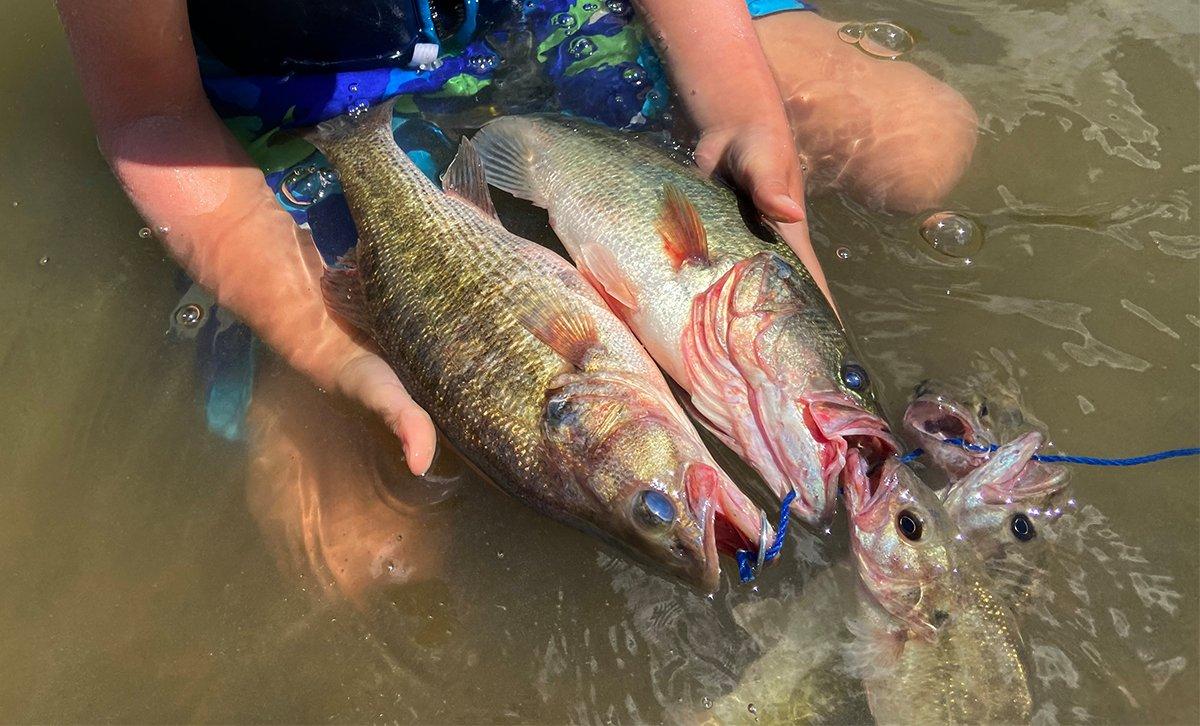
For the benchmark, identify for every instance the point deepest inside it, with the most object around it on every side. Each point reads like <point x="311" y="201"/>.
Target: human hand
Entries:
<point x="758" y="157"/>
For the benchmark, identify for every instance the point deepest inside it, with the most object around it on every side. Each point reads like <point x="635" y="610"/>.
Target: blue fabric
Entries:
<point x="760" y="8"/>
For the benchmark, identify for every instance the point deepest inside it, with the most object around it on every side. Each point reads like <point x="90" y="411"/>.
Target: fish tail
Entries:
<point x="507" y="148"/>
<point x="332" y="133"/>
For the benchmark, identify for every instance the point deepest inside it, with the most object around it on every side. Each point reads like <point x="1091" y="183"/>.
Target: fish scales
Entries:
<point x="521" y="364"/>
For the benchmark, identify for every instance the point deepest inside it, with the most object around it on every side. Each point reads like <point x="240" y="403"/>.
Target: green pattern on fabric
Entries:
<point x="464" y="84"/>
<point x="610" y="50"/>
<point x="270" y="151"/>
<point x="581" y="17"/>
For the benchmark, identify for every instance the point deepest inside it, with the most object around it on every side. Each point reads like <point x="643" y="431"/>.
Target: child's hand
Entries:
<point x="755" y="155"/>
<point x="720" y="73"/>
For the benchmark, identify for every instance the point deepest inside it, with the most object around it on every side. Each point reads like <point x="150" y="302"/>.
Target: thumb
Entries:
<point x="369" y="380"/>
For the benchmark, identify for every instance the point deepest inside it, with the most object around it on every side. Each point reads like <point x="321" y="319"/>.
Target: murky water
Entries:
<point x="139" y="554"/>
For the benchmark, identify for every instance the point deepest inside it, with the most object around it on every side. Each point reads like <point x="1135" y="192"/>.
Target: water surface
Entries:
<point x="140" y="555"/>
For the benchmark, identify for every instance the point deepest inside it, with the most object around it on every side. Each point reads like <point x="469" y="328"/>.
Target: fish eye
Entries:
<point x="910" y="525"/>
<point x="559" y="412"/>
<point x="653" y="509"/>
<point x="855" y="377"/>
<point x="1021" y="527"/>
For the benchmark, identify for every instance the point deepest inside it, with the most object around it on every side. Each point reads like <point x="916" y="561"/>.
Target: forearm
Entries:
<point x="715" y="61"/>
<point x="211" y="208"/>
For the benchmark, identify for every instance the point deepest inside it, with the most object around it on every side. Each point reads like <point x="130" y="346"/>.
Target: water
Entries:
<point x="140" y="586"/>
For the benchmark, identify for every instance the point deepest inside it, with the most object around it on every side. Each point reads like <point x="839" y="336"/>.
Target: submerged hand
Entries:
<point x="366" y="378"/>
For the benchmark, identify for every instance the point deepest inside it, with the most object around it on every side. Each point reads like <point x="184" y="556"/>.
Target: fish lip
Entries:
<point x="1012" y="473"/>
<point x="731" y="522"/>
<point x="866" y="485"/>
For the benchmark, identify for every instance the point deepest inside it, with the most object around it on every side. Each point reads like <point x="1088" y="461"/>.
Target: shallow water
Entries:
<point x="139" y="585"/>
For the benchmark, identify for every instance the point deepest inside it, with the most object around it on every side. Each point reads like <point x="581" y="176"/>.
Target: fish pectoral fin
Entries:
<point x="601" y="269"/>
<point x="343" y="291"/>
<point x="682" y="230"/>
<point x="466" y="179"/>
<point x="559" y="322"/>
<point x="506" y="149"/>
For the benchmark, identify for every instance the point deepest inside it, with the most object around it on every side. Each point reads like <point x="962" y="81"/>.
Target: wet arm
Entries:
<point x="192" y="182"/>
<point x="720" y="73"/>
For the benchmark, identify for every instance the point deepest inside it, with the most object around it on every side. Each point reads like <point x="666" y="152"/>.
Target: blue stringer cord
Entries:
<point x="746" y="559"/>
<point x="1065" y="459"/>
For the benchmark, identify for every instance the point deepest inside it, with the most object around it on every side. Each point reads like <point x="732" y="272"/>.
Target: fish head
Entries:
<point x="1008" y="502"/>
<point x="935" y="643"/>
<point x="908" y="550"/>
<point x="979" y="415"/>
<point x="810" y="398"/>
<point x="644" y="478"/>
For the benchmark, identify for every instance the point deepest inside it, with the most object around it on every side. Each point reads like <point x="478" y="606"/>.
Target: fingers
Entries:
<point x="371" y="381"/>
<point x="761" y="163"/>
<point x="772" y="177"/>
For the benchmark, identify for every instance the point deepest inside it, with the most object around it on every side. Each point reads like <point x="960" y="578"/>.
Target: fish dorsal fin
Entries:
<point x="559" y="322"/>
<point x="682" y="231"/>
<point x="598" y="265"/>
<point x="465" y="179"/>
<point x="343" y="291"/>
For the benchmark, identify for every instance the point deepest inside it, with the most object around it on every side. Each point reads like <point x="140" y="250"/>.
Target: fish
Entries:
<point x="520" y="363"/>
<point x="933" y="643"/>
<point x="718" y="299"/>
<point x="1008" y="506"/>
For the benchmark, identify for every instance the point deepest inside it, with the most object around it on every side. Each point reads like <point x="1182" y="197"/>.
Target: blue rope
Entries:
<point x="745" y="559"/>
<point x="1065" y="459"/>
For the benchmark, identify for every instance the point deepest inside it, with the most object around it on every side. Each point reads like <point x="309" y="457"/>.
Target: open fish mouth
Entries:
<point x="866" y="484"/>
<point x="844" y="428"/>
<point x="940" y="418"/>
<point x="1012" y="474"/>
<point x="731" y="521"/>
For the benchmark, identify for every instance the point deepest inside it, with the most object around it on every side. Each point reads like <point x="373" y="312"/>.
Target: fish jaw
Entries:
<point x="933" y="419"/>
<point x="731" y="521"/>
<point x="793" y="431"/>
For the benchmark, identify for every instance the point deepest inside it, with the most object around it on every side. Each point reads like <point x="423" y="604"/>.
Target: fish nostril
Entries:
<point x="939" y="618"/>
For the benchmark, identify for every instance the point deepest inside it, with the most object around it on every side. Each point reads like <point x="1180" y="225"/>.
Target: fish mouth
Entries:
<point x="1013" y="474"/>
<point x="730" y="520"/>
<point x="867" y="484"/>
<point x="848" y="434"/>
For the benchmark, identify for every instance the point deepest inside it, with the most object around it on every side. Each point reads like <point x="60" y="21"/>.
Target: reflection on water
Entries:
<point x="141" y="555"/>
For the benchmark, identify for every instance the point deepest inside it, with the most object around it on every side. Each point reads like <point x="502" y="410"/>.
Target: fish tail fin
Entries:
<point x="332" y="133"/>
<point x="507" y="149"/>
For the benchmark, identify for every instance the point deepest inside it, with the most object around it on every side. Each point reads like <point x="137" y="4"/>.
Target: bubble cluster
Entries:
<point x="307" y="185"/>
<point x="880" y="39"/>
<point x="952" y="235"/>
<point x="483" y="62"/>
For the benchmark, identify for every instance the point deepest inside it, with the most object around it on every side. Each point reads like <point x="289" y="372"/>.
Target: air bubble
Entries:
<point x="354" y="88"/>
<point x="635" y="76"/>
<point x="590" y="7"/>
<point x="189" y="316"/>
<point x="706" y="702"/>
<point x="851" y="32"/>
<point x="885" y="40"/>
<point x="952" y="235"/>
<point x="843" y="253"/>
<point x="144" y="233"/>
<point x="752" y="709"/>
<point x="45" y="260"/>
<point x="617" y="7"/>
<point x="581" y="48"/>
<point x="566" y="21"/>
<point x="306" y="185"/>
